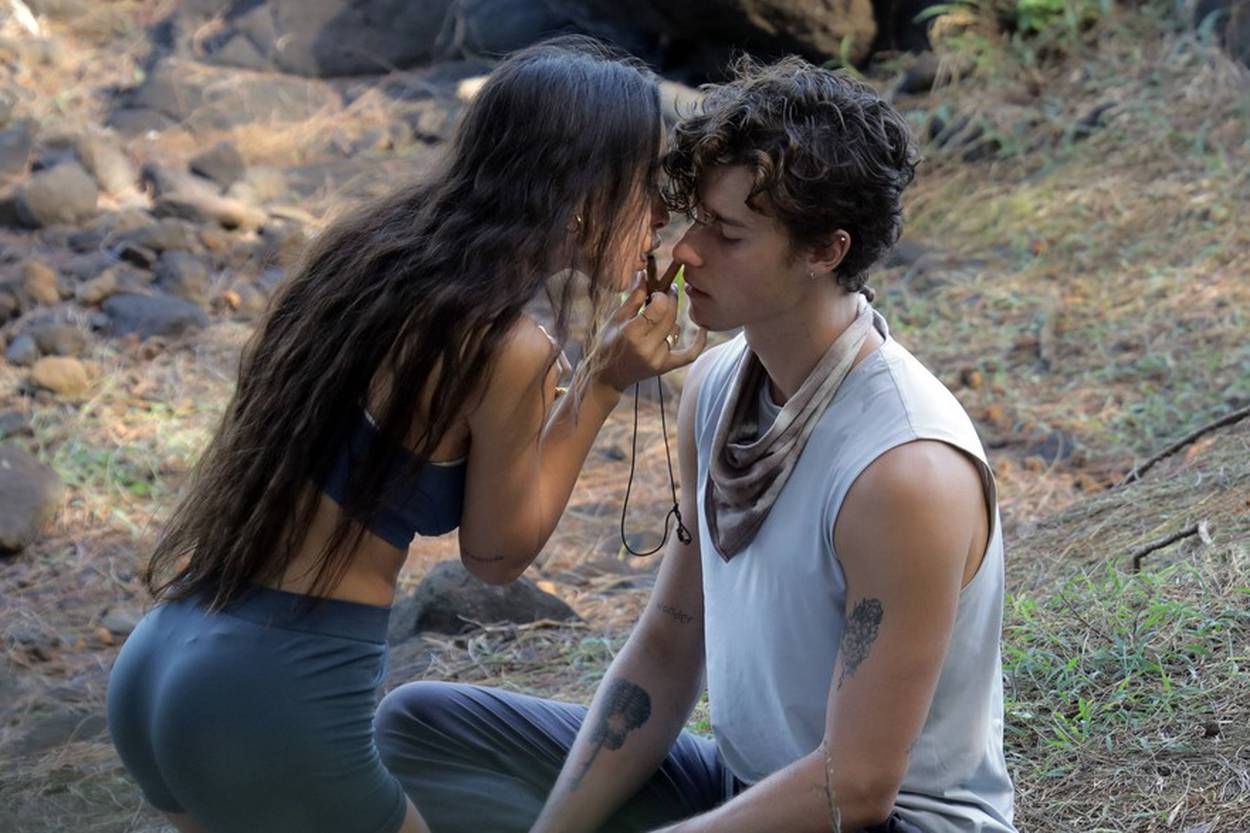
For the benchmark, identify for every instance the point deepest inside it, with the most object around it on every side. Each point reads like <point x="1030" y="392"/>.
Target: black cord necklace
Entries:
<point x="683" y="534"/>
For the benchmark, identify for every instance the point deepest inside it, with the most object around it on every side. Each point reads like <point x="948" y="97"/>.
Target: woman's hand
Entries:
<point x="636" y="342"/>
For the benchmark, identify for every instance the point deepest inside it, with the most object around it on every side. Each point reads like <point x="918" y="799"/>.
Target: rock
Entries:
<point x="65" y="194"/>
<point x="169" y="234"/>
<point x="16" y="145"/>
<point x="98" y="288"/>
<point x="433" y="120"/>
<point x="201" y="97"/>
<point x="136" y="255"/>
<point x="920" y="75"/>
<point x="1054" y="447"/>
<point x="497" y="27"/>
<point x="120" y="621"/>
<point x="56" y="730"/>
<point x="10" y="304"/>
<point x="14" y="424"/>
<point x="183" y="275"/>
<point x="40" y="283"/>
<point x="139" y="121"/>
<point x="85" y="266"/>
<point x="63" y="376"/>
<point x="322" y="38"/>
<point x="898" y="28"/>
<point x="22" y="352"/>
<point x="222" y="163"/>
<point x="186" y="196"/>
<point x="8" y="102"/>
<point x="449" y="592"/>
<point x="30" y="494"/>
<point x="59" y="340"/>
<point x="107" y="162"/>
<point x="906" y="252"/>
<point x="147" y="316"/>
<point x="245" y="300"/>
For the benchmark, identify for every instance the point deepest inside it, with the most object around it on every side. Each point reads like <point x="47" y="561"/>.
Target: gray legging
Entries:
<point x="474" y="758"/>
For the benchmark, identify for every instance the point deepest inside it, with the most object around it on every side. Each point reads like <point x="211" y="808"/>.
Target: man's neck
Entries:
<point x="790" y="344"/>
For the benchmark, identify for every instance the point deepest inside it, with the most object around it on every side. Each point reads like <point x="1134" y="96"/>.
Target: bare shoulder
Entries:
<point x="525" y="352"/>
<point x="924" y="497"/>
<point x="923" y="472"/>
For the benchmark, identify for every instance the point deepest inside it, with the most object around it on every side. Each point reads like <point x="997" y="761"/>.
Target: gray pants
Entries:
<point x="481" y="759"/>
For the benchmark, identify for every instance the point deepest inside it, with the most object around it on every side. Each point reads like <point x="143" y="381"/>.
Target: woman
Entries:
<point x="395" y="387"/>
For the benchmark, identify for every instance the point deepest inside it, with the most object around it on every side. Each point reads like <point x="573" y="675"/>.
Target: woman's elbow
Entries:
<point x="494" y="569"/>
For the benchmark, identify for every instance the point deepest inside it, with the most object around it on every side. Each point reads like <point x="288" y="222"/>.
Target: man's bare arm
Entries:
<point x="651" y="687"/>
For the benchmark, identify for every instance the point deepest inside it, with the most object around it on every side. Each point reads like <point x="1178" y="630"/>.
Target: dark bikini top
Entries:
<point x="429" y="503"/>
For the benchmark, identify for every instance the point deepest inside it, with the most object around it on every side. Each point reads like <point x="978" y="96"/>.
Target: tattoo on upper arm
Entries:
<point x="625" y="707"/>
<point x="859" y="634"/>
<point x="682" y="617"/>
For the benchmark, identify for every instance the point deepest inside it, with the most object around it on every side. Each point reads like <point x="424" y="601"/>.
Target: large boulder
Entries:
<point x="147" y="316"/>
<point x="317" y="38"/>
<point x="710" y="30"/>
<point x="497" y="27"/>
<point x="449" y="595"/>
<point x="30" y="493"/>
<point x="198" y="96"/>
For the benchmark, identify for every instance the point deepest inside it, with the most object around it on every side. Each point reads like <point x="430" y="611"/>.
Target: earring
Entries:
<point x="576" y="224"/>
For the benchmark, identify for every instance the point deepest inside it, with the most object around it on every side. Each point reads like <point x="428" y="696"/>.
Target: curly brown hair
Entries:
<point x="827" y="153"/>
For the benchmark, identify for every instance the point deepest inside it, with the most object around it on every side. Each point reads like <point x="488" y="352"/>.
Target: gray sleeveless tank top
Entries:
<point x="774" y="614"/>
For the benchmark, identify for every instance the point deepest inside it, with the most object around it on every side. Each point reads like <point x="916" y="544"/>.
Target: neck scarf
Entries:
<point x="748" y="470"/>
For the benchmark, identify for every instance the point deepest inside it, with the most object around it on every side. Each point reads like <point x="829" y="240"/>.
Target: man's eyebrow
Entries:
<point x="721" y="218"/>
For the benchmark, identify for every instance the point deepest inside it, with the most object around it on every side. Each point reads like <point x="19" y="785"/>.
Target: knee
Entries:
<point x="411" y="714"/>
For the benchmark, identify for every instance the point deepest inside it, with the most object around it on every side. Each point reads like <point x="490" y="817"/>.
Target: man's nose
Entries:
<point x="685" y="252"/>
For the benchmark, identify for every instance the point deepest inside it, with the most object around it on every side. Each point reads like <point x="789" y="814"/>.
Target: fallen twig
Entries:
<point x="1226" y="420"/>
<point x="1200" y="529"/>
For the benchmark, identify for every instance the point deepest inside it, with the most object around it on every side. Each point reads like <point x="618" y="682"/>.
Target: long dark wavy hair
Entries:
<point x="557" y="153"/>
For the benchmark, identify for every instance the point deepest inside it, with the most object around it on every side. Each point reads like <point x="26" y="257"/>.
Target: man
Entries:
<point x="843" y="592"/>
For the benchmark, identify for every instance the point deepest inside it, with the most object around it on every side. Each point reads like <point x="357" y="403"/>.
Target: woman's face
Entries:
<point x="642" y="231"/>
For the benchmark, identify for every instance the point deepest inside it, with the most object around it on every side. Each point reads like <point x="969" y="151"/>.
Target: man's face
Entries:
<point x="738" y="263"/>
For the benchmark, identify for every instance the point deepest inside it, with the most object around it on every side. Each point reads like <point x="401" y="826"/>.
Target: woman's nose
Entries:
<point x="659" y="213"/>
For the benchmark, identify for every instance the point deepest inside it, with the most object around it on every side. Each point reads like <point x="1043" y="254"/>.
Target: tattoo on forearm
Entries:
<point x="682" y="617"/>
<point x="481" y="559"/>
<point x="860" y="633"/>
<point x="625" y="707"/>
